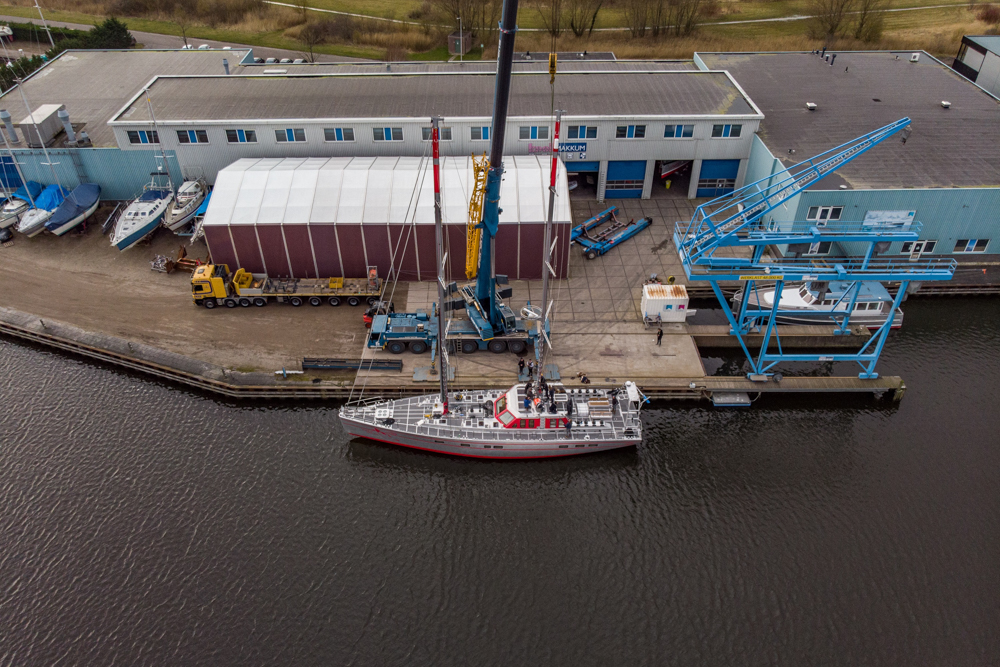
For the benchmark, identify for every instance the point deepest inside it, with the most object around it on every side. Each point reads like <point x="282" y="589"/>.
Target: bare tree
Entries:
<point x="303" y="6"/>
<point x="636" y="16"/>
<point x="550" y="11"/>
<point x="182" y="17"/>
<point x="869" y="19"/>
<point x="582" y="15"/>
<point x="313" y="34"/>
<point x="831" y="17"/>
<point x="684" y="16"/>
<point x="480" y="17"/>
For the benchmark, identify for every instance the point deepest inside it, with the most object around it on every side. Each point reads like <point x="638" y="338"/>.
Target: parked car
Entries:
<point x="298" y="61"/>
<point x="259" y="61"/>
<point x="286" y="61"/>
<point x="270" y="61"/>
<point x="203" y="47"/>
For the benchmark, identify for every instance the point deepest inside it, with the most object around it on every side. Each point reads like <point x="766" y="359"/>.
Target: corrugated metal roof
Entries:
<point x="666" y="291"/>
<point x="954" y="147"/>
<point x="94" y="85"/>
<point x="374" y="190"/>
<point x="449" y="95"/>
<point x="485" y="66"/>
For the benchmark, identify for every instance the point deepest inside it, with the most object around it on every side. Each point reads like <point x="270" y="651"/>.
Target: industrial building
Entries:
<point x="978" y="60"/>
<point x="734" y="118"/>
<point x="315" y="217"/>
<point x="946" y="175"/>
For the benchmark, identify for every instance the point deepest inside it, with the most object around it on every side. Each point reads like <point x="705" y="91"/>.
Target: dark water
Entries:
<point x="142" y="524"/>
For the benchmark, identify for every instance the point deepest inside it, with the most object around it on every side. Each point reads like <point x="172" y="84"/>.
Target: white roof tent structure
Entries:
<point x="330" y="217"/>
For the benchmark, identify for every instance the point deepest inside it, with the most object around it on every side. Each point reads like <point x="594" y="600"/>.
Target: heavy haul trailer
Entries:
<point x="596" y="242"/>
<point x="212" y="285"/>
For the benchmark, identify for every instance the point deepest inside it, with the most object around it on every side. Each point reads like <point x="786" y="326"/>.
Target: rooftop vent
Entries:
<point x="946" y="104"/>
<point x="811" y="106"/>
<point x="914" y="57"/>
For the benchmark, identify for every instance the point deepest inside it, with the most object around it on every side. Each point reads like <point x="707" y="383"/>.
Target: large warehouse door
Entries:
<point x="625" y="179"/>
<point x="581" y="167"/>
<point x="717" y="177"/>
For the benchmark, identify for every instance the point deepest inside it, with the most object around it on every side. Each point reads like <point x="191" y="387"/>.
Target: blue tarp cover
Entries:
<point x="154" y="194"/>
<point x="33" y="187"/>
<point x="82" y="198"/>
<point x="51" y="197"/>
<point x="204" y="205"/>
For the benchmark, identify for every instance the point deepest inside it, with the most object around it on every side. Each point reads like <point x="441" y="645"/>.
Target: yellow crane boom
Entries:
<point x="480" y="167"/>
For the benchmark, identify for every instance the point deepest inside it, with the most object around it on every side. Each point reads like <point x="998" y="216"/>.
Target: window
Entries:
<point x="732" y="131"/>
<point x="581" y="132"/>
<point x="290" y="134"/>
<point x="241" y="136"/>
<point x="624" y="185"/>
<point x="971" y="245"/>
<point x="821" y="248"/>
<point x="823" y="214"/>
<point x="143" y="137"/>
<point x="527" y="132"/>
<point x="192" y="136"/>
<point x="481" y="133"/>
<point x="387" y="133"/>
<point x="338" y="134"/>
<point x="445" y="133"/>
<point x="917" y="247"/>
<point x="630" y="132"/>
<point x="678" y="131"/>
<point x="716" y="183"/>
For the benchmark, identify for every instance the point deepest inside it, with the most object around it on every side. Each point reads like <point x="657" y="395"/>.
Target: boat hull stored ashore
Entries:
<point x="33" y="221"/>
<point x="78" y="206"/>
<point x="189" y="198"/>
<point x="141" y="217"/>
<point x="18" y="204"/>
<point x="809" y="305"/>
<point x="496" y="424"/>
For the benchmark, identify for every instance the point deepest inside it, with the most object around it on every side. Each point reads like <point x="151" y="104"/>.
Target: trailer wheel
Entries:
<point x="498" y="346"/>
<point x="260" y="302"/>
<point x="209" y="303"/>
<point x="418" y="347"/>
<point x="315" y="301"/>
<point x="590" y="254"/>
<point x="372" y="300"/>
<point x="516" y="346"/>
<point x="333" y="301"/>
<point x="396" y="347"/>
<point x="295" y="301"/>
<point x="245" y="302"/>
<point x="469" y="346"/>
<point x="353" y="301"/>
<point x="231" y="303"/>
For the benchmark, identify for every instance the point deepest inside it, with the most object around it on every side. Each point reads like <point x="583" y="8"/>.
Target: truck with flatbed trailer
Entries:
<point x="213" y="285"/>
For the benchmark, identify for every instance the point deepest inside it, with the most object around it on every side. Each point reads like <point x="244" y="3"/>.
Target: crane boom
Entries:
<point x="480" y="165"/>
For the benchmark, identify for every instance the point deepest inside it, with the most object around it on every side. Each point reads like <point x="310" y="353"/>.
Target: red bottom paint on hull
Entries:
<point x="572" y="448"/>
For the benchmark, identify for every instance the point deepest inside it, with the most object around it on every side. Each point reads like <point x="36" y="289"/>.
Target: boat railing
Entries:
<point x="112" y="220"/>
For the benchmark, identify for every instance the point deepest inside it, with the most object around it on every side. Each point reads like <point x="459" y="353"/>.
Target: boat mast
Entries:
<point x="547" y="243"/>
<point x="439" y="244"/>
<point x="17" y="167"/>
<point x="166" y="164"/>
<point x="32" y="121"/>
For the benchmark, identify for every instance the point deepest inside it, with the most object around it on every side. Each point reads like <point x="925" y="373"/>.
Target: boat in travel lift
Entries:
<point x="18" y="203"/>
<point x="141" y="217"/>
<point x="186" y="203"/>
<point x="33" y="221"/>
<point x="817" y="303"/>
<point x="79" y="205"/>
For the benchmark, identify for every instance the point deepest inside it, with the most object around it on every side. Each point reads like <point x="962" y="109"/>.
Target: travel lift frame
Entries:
<point x="734" y="220"/>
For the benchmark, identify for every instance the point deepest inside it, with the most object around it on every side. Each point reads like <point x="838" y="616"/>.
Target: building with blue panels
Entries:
<point x="946" y="175"/>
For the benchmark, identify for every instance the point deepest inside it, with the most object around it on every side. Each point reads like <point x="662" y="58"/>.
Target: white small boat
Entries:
<point x="18" y="204"/>
<point x="189" y="197"/>
<point x="77" y="207"/>
<point x="141" y="217"/>
<point x="33" y="221"/>
<point x="815" y="303"/>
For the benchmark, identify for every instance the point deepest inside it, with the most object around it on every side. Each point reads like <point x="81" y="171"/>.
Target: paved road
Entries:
<point x="151" y="40"/>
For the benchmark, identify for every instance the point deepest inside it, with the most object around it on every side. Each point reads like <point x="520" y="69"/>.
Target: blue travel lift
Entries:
<point x="739" y="220"/>
<point x="599" y="242"/>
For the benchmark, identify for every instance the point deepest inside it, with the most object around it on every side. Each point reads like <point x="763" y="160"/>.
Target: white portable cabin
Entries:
<point x="670" y="302"/>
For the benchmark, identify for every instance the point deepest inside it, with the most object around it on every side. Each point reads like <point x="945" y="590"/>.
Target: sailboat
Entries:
<point x="18" y="203"/>
<point x="77" y="207"/>
<point x="33" y="221"/>
<point x="143" y="215"/>
<point x="189" y="198"/>
<point x="521" y="422"/>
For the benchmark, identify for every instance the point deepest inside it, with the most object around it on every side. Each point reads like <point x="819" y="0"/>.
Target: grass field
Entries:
<point x="937" y="30"/>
